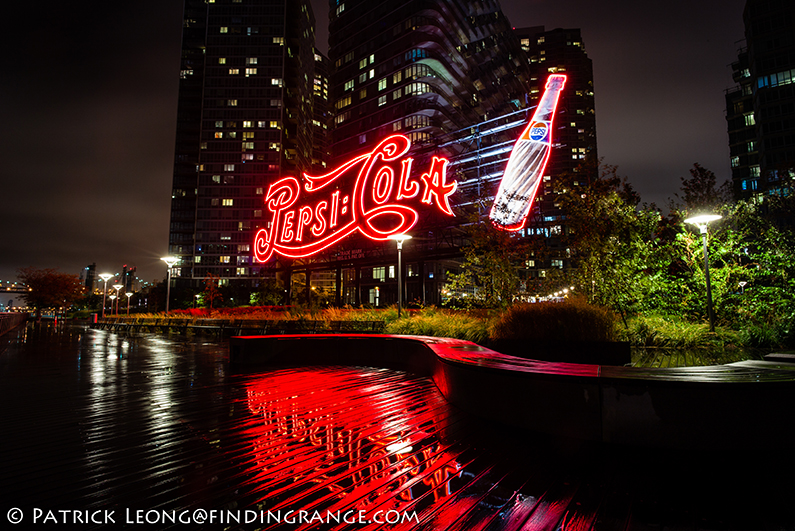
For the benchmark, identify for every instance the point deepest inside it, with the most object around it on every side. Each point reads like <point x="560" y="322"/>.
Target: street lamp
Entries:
<point x="117" y="287"/>
<point x="701" y="222"/>
<point x="105" y="277"/>
<point x="129" y="296"/>
<point x="170" y="261"/>
<point x="400" y="238"/>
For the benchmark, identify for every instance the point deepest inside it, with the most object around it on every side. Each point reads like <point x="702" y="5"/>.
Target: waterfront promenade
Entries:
<point x="98" y="425"/>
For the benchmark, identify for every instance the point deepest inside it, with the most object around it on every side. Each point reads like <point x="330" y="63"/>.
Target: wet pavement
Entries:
<point x="100" y="430"/>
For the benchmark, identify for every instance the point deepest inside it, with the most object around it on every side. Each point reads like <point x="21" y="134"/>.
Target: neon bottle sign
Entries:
<point x="373" y="194"/>
<point x="527" y="162"/>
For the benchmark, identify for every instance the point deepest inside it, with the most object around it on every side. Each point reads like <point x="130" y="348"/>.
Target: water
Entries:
<point x="141" y="429"/>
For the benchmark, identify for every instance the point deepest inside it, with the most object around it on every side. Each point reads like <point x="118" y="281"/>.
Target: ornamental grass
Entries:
<point x="572" y="320"/>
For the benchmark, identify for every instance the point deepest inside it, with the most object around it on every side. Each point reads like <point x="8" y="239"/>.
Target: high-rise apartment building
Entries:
<point x="245" y="118"/>
<point x="760" y="111"/>
<point x="431" y="70"/>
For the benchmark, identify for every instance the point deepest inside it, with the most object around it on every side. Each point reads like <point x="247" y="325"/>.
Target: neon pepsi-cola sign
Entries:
<point x="376" y="195"/>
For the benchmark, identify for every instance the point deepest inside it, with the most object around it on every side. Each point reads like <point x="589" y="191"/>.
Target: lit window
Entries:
<point x="278" y="40"/>
<point x="363" y="77"/>
<point x="362" y="94"/>
<point x="248" y="123"/>
<point x="234" y="71"/>
<point x="251" y="60"/>
<point x="258" y="191"/>
<point x="277" y="81"/>
<point x="216" y="178"/>
<point x="219" y="123"/>
<point x="224" y="259"/>
<point x="229" y="167"/>
<point x="349" y="85"/>
<point x="226" y="236"/>
<point x="219" y="134"/>
<point x="379" y="273"/>
<point x="276" y="146"/>
<point x="197" y="259"/>
<point x="241" y="271"/>
<point x="248" y="135"/>
<point x="274" y="124"/>
<point x="228" y="202"/>
<point x="749" y="119"/>
<point x="224" y="29"/>
<point x="381" y="100"/>
<point x="343" y="102"/>
<point x="397" y="77"/>
<point x="251" y="72"/>
<point x="247" y="156"/>
<point x="363" y="63"/>
<point x="381" y="84"/>
<point x="397" y="93"/>
<point x="258" y="213"/>
<point x="231" y="103"/>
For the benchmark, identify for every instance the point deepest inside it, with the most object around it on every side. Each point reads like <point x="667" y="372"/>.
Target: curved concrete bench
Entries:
<point x="721" y="407"/>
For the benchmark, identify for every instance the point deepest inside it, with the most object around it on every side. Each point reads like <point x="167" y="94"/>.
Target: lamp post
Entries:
<point x="117" y="287"/>
<point x="112" y="300"/>
<point x="701" y="222"/>
<point x="170" y="261"/>
<point x="105" y="277"/>
<point x="400" y="238"/>
<point x="129" y="296"/>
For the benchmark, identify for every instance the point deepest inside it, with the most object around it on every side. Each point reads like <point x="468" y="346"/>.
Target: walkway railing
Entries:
<point x="9" y="321"/>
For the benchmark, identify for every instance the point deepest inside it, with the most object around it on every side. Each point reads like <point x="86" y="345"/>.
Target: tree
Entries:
<point x="49" y="288"/>
<point x="608" y="236"/>
<point x="490" y="273"/>
<point x="211" y="291"/>
<point x="701" y="193"/>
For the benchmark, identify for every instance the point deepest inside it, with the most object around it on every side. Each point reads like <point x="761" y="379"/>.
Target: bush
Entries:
<point x="675" y="332"/>
<point x="441" y="323"/>
<point x="573" y="320"/>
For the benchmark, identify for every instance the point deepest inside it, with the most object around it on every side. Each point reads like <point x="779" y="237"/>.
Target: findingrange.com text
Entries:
<point x="202" y="516"/>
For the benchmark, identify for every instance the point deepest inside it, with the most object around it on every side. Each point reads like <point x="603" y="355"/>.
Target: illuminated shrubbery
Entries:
<point x="573" y="320"/>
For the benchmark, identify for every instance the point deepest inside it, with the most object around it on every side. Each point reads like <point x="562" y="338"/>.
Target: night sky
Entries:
<point x="88" y="98"/>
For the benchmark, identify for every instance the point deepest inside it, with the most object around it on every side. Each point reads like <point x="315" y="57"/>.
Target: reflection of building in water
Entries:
<point x="342" y="433"/>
